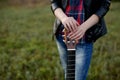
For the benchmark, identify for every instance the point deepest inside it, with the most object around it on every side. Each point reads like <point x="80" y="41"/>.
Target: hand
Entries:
<point x="70" y="23"/>
<point x="78" y="33"/>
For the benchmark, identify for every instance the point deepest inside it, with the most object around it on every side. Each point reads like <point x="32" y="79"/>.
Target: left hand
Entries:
<point x="78" y="33"/>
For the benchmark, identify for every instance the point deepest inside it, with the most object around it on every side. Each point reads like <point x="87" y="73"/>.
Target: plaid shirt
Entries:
<point x="75" y="9"/>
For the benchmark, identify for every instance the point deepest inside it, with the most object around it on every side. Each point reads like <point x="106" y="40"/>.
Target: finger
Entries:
<point x="77" y="41"/>
<point x="65" y="26"/>
<point x="74" y="34"/>
<point x="79" y="37"/>
<point x="76" y="24"/>
<point x="71" y="33"/>
<point x="73" y="25"/>
<point x="69" y="26"/>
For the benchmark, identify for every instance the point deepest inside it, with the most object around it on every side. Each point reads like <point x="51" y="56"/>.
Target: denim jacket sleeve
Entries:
<point x="103" y="8"/>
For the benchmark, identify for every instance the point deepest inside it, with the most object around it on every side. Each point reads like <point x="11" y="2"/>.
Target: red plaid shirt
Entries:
<point x="75" y="9"/>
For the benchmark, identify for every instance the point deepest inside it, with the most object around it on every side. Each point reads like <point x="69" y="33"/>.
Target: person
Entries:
<point x="84" y="20"/>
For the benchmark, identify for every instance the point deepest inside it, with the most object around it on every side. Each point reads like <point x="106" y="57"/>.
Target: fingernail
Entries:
<point x="67" y="36"/>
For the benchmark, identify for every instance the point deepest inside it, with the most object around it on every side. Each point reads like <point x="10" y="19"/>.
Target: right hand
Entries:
<point x="70" y="23"/>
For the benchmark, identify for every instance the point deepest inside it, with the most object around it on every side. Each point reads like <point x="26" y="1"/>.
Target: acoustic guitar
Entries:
<point x="70" y="72"/>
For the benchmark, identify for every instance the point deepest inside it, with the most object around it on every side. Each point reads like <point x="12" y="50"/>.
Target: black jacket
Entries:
<point x="98" y="7"/>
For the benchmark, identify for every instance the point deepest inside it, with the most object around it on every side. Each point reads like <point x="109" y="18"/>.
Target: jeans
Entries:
<point x="83" y="57"/>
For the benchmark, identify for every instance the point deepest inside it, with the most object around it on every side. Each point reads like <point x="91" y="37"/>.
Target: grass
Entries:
<point x="27" y="51"/>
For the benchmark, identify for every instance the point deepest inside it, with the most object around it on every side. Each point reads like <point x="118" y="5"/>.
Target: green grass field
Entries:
<point x="27" y="51"/>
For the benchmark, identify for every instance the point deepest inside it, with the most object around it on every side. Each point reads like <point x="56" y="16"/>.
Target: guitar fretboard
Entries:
<point x="70" y="75"/>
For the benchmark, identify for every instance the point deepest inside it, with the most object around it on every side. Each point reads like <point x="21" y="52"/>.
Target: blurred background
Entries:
<point x="27" y="51"/>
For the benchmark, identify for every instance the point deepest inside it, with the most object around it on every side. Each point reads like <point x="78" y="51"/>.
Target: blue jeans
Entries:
<point x="83" y="57"/>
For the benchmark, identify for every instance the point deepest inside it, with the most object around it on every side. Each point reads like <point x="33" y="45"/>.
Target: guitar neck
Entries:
<point x="70" y="75"/>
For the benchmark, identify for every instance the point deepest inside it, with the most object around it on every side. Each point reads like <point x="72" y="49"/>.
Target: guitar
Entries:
<point x="70" y="72"/>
